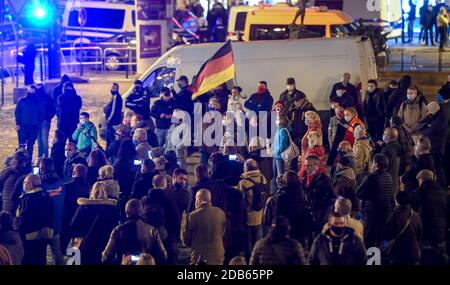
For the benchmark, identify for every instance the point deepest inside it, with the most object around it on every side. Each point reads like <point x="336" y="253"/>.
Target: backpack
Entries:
<point x="260" y="194"/>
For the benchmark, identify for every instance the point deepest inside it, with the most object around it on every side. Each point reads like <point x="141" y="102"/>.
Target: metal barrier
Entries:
<point x="424" y="59"/>
<point x="128" y="59"/>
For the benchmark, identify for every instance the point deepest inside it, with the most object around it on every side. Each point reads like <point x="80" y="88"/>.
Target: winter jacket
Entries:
<point x="29" y="111"/>
<point x="259" y="102"/>
<point x="76" y="188"/>
<point x="405" y="140"/>
<point x="69" y="112"/>
<point x="349" y="134"/>
<point x="425" y="161"/>
<point x="291" y="203"/>
<point x="393" y="151"/>
<point x="280" y="143"/>
<point x="13" y="243"/>
<point x="288" y="99"/>
<point x="113" y="110"/>
<point x="406" y="249"/>
<point x="142" y="184"/>
<point x="124" y="173"/>
<point x="427" y="18"/>
<point x="47" y="104"/>
<point x="273" y="250"/>
<point x="58" y="156"/>
<point x="332" y="129"/>
<point x="412" y="113"/>
<point x="93" y="221"/>
<point x="432" y="204"/>
<point x="181" y="197"/>
<point x="8" y="179"/>
<point x="377" y="191"/>
<point x="54" y="187"/>
<point x="320" y="196"/>
<point x="142" y="150"/>
<point x="399" y="95"/>
<point x="362" y="150"/>
<point x="134" y="237"/>
<point x="229" y="171"/>
<point x="35" y="219"/>
<point x="318" y="151"/>
<point x="374" y="109"/>
<point x="346" y="100"/>
<point x="312" y="127"/>
<point x="85" y="136"/>
<point x="346" y="250"/>
<point x="344" y="185"/>
<point x="435" y="127"/>
<point x="77" y="158"/>
<point x="350" y="89"/>
<point x="183" y="100"/>
<point x="139" y="102"/>
<point x="112" y="187"/>
<point x="355" y="225"/>
<point x="248" y="181"/>
<point x="58" y="91"/>
<point x="341" y="131"/>
<point x="297" y="117"/>
<point x="203" y="231"/>
<point x="162" y="107"/>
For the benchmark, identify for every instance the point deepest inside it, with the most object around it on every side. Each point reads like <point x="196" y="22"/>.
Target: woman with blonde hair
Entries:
<point x="93" y="223"/>
<point x="106" y="176"/>
<point x="312" y="120"/>
<point x="315" y="146"/>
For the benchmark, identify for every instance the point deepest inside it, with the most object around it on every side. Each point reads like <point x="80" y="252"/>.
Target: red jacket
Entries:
<point x="315" y="126"/>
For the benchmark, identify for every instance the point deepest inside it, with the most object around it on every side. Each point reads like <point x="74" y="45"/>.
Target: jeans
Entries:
<point x="443" y="36"/>
<point x="161" y="134"/>
<point x="278" y="170"/>
<point x="27" y="137"/>
<point x="42" y="138"/>
<point x="254" y="234"/>
<point x="110" y="135"/>
<point x="410" y="30"/>
<point x="428" y="31"/>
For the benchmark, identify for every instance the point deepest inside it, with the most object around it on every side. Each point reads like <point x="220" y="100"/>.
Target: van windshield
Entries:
<point x="99" y="18"/>
<point x="159" y="78"/>
<point x="345" y="29"/>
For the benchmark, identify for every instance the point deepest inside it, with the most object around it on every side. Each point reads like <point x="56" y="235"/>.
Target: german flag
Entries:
<point x="216" y="70"/>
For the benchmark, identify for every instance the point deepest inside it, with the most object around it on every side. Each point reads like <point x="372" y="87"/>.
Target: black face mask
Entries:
<point x="341" y="153"/>
<point x="339" y="231"/>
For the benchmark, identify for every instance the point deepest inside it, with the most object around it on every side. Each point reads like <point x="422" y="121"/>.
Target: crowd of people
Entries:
<point x="324" y="188"/>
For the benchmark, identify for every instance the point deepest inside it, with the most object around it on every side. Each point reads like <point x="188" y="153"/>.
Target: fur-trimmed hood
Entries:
<point x="90" y="202"/>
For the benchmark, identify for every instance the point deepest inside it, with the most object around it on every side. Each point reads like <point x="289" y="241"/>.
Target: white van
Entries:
<point x="104" y="20"/>
<point x="316" y="64"/>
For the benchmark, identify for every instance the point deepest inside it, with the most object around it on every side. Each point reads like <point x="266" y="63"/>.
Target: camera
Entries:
<point x="233" y="157"/>
<point x="36" y="170"/>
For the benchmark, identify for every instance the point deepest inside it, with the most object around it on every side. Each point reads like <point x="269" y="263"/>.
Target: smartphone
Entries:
<point x="137" y="162"/>
<point x="134" y="258"/>
<point x="232" y="157"/>
<point x="36" y="170"/>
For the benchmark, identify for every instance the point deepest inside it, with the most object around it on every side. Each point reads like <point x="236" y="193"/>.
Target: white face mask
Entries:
<point x="411" y="97"/>
<point x="339" y="93"/>
<point x="371" y="89"/>
<point x="348" y="118"/>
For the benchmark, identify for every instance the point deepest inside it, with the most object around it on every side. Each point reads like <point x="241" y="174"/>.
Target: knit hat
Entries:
<point x="433" y="107"/>
<point x="345" y="161"/>
<point x="157" y="152"/>
<point x="299" y="95"/>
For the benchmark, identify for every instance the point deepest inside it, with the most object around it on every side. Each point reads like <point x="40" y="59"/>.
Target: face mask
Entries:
<point x="211" y="109"/>
<point x="371" y="89"/>
<point x="411" y="97"/>
<point x="180" y="85"/>
<point x="341" y="152"/>
<point x="290" y="88"/>
<point x="261" y="90"/>
<point x="348" y="118"/>
<point x="339" y="93"/>
<point x="385" y="139"/>
<point x="277" y="122"/>
<point x="68" y="154"/>
<point x="82" y="121"/>
<point x="138" y="89"/>
<point x="178" y="186"/>
<point x="135" y="142"/>
<point x="339" y="231"/>
<point x="440" y="99"/>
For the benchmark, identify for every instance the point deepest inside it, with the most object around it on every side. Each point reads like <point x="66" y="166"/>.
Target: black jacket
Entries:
<point x="93" y="221"/>
<point x="141" y="185"/>
<point x="427" y="18"/>
<point x="69" y="164"/>
<point x="183" y="100"/>
<point x="346" y="250"/>
<point x="406" y="249"/>
<point x="393" y="151"/>
<point x="58" y="91"/>
<point x="277" y="251"/>
<point x="162" y="107"/>
<point x="29" y="111"/>
<point x="431" y="202"/>
<point x="425" y="161"/>
<point x="182" y="197"/>
<point x="259" y="102"/>
<point x="58" y="156"/>
<point x="139" y="102"/>
<point x="346" y="100"/>
<point x="77" y="188"/>
<point x="349" y="88"/>
<point x="35" y="216"/>
<point x="291" y="203"/>
<point x="113" y="110"/>
<point x="374" y="107"/>
<point x="69" y="112"/>
<point x="320" y="197"/>
<point x="8" y="179"/>
<point x="124" y="173"/>
<point x="297" y="117"/>
<point x="134" y="237"/>
<point x="435" y="128"/>
<point x="376" y="190"/>
<point x="47" y="104"/>
<point x="229" y="171"/>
